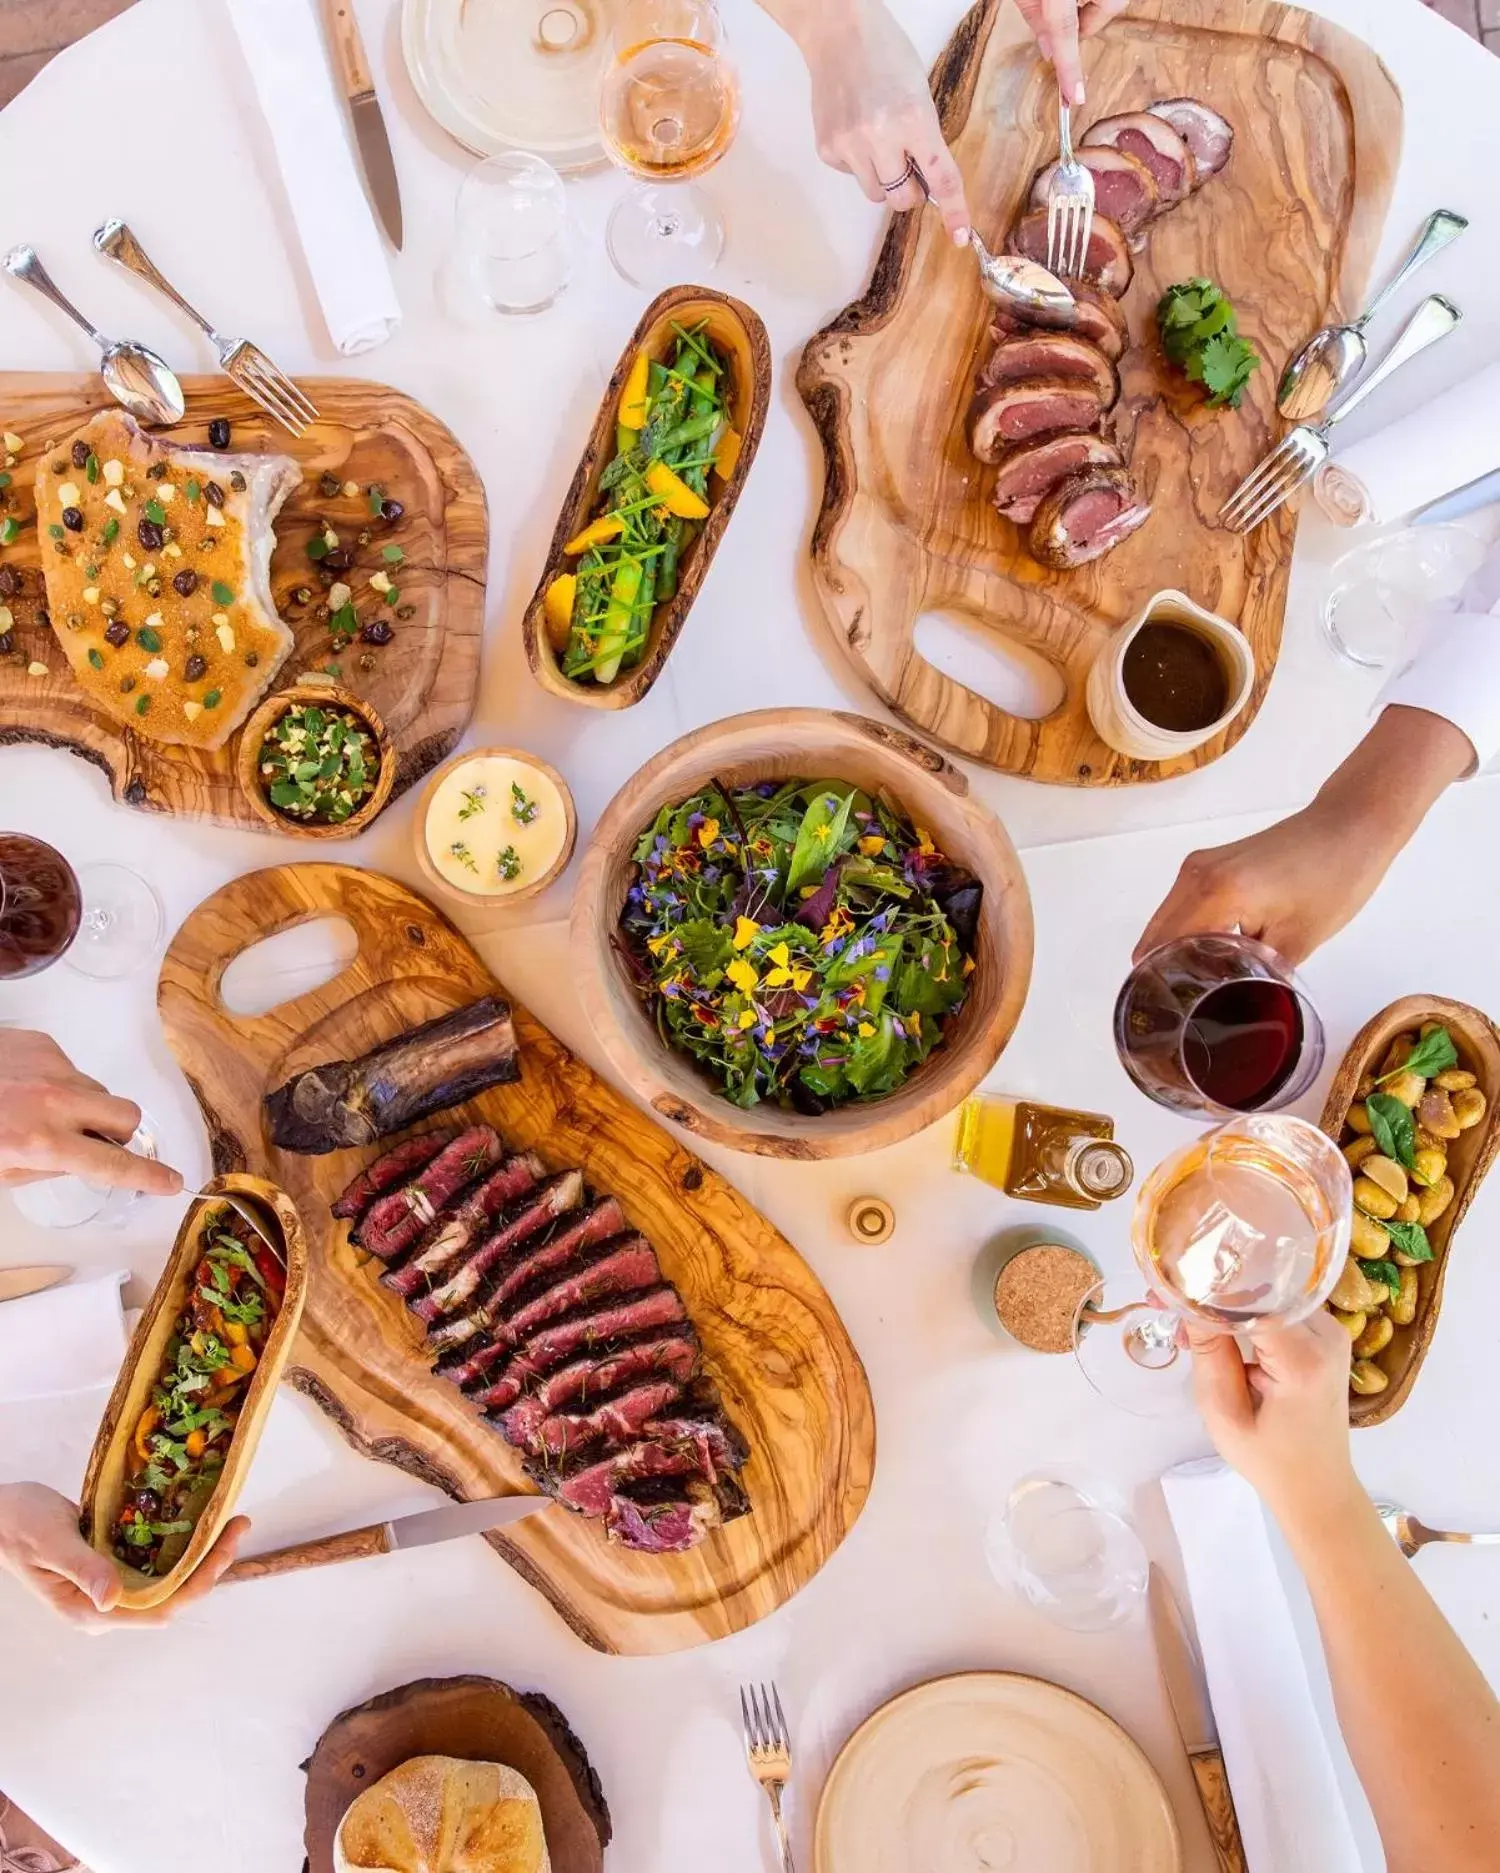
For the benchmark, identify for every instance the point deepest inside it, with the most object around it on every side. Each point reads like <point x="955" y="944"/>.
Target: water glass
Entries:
<point x="67" y="1202"/>
<point x="1074" y="1559"/>
<point x="511" y="233"/>
<point x="1383" y="590"/>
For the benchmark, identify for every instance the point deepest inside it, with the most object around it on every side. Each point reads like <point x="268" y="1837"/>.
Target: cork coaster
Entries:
<point x="1037" y="1294"/>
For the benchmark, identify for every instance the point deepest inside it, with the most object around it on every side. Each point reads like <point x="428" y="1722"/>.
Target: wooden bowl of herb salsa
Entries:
<point x="827" y="954"/>
<point x="315" y="761"/>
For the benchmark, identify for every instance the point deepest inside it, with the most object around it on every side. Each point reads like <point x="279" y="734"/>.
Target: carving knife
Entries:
<point x="408" y="1531"/>
<point x="17" y="1283"/>
<point x="1187" y="1693"/>
<point x="364" y="108"/>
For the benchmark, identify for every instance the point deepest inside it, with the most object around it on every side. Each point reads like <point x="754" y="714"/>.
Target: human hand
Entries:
<point x="40" y="1544"/>
<point x="1058" y="25"/>
<point x="48" y="1111"/>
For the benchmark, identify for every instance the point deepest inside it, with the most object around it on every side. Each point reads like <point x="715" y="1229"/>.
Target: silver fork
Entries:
<point x="243" y="363"/>
<point x="1303" y="450"/>
<point x="1070" y="203"/>
<point x="769" y="1748"/>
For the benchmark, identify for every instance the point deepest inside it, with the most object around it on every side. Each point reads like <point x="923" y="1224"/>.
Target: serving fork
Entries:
<point x="769" y="1748"/>
<point x="1409" y="1534"/>
<point x="1070" y="203"/>
<point x="242" y="362"/>
<point x="1303" y="450"/>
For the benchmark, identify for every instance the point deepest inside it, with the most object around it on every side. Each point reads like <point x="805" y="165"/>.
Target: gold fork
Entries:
<point x="769" y="1748"/>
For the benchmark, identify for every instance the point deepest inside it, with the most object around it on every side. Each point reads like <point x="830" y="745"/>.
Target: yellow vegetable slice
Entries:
<point x="633" y="398"/>
<point x="557" y="603"/>
<point x="595" y="533"/>
<point x="728" y="453"/>
<point x="674" y="494"/>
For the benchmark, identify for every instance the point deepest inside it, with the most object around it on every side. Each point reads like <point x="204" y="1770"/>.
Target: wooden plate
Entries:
<point x="906" y="524"/>
<point x="736" y="330"/>
<point x="500" y="900"/>
<point x="1470" y="1155"/>
<point x="780" y="744"/>
<point x="323" y="692"/>
<point x="422" y="683"/>
<point x="992" y="1768"/>
<point x="479" y="1720"/>
<point x="790" y="1378"/>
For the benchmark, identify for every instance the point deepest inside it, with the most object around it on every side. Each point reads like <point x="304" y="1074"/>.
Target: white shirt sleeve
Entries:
<point x="1456" y="672"/>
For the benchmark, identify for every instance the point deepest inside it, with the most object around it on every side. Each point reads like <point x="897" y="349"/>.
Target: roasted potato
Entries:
<point x="1353" y="1324"/>
<point x="1425" y="1141"/>
<point x="1353" y="1292"/>
<point x="1435" y="1110"/>
<point x="1432" y="1203"/>
<point x="1367" y="1238"/>
<point x="1366" y="1377"/>
<point x="1407" y="1087"/>
<point x="1358" y="1149"/>
<point x="1376" y="1337"/>
<point x="1398" y="1053"/>
<point x="1431" y="1164"/>
<point x="1469" y="1106"/>
<point x="1387" y="1173"/>
<point x="1372" y="1199"/>
<point x="1455" y="1080"/>
<point x="1409" y="1210"/>
<point x="1359" y="1119"/>
<point x="1403" y="1308"/>
<point x="1364" y="1086"/>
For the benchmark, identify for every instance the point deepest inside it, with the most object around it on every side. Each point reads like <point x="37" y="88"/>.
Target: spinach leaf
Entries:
<point x="818" y="841"/>
<point x="1411" y="1239"/>
<point x="1434" y="1053"/>
<point x="1386" y="1272"/>
<point x="1393" y="1128"/>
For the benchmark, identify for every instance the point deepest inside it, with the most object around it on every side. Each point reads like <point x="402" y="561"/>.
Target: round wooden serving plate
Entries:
<point x="816" y="745"/>
<point x="498" y="900"/>
<point x="322" y="692"/>
<point x="479" y="1720"/>
<point x="993" y="1768"/>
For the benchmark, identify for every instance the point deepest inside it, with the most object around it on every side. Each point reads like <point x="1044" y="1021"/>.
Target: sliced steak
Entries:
<point x="541" y="1210"/>
<point x="1087" y="516"/>
<point x="622" y="1419"/>
<point x="393" y="1223"/>
<point x="1050" y="355"/>
<point x="559" y="1341"/>
<point x="588" y="1281"/>
<point x="1028" y="473"/>
<point x="1208" y="135"/>
<point x="1097" y="317"/>
<point x="1107" y="263"/>
<point x="534" y="1266"/>
<point x="460" y="1226"/>
<point x="394" y="1167"/>
<point x="591" y="1489"/>
<point x="1156" y="143"/>
<point x="1124" y="188"/>
<point x="1040" y="406"/>
<point x="583" y="1381"/>
<point x="664" y="1524"/>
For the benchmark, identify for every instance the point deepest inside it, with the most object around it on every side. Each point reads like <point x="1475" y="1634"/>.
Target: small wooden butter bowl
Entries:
<point x="323" y="692"/>
<point x="1116" y="718"/>
<point x="492" y="900"/>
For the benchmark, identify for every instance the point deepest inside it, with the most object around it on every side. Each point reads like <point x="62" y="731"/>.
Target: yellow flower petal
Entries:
<point x="745" y="931"/>
<point x="778" y="978"/>
<point x="864" y="1030"/>
<point x="747" y="1019"/>
<point x="968" y="965"/>
<point x="914" y="1022"/>
<point x="707" y="833"/>
<point x="742" y="974"/>
<point x="872" y="844"/>
<point x="781" y="955"/>
<point x="800" y="979"/>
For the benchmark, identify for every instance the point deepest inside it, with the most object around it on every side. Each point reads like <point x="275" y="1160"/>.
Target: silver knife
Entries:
<point x="1479" y="492"/>
<point x="408" y="1531"/>
<point x="1187" y="1692"/>
<point x="364" y="108"/>
<point x="17" y="1283"/>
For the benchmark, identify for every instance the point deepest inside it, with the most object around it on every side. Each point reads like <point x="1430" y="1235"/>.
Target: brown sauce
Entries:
<point x="1174" y="677"/>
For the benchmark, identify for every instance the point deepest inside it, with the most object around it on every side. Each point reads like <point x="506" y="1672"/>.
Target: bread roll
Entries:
<point x="440" y="1814"/>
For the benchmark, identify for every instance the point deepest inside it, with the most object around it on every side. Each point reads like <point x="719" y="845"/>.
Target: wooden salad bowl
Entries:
<point x="326" y="692"/>
<point x="104" y="1480"/>
<point x="434" y="880"/>
<point x="1469" y="1157"/>
<point x="738" y="331"/>
<point x="818" y="745"/>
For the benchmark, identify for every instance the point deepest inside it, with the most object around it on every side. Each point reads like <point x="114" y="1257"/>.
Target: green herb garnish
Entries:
<point x="212" y="698"/>
<point x="10" y="530"/>
<point x="317" y="764"/>
<point x="96" y="658"/>
<point x="508" y="863"/>
<point x="194" y="488"/>
<point x="464" y="856"/>
<point x="148" y="639"/>
<point x="142" y="704"/>
<point x="91" y="467"/>
<point x="1393" y="1128"/>
<point x="1433" y="1053"/>
<point x="1386" y="1272"/>
<point x="393" y="555"/>
<point x="156" y="513"/>
<point x="523" y="809"/>
<point x="1200" y="335"/>
<point x="1411" y="1239"/>
<point x="223" y="594"/>
<point x="111" y="531"/>
<point x="473" y="802"/>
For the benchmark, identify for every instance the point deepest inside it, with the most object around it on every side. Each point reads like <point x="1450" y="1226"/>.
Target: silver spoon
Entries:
<point x="244" y="1208"/>
<point x="137" y="379"/>
<point x="1334" y="354"/>
<point x="1023" y="287"/>
<point x="1409" y="1534"/>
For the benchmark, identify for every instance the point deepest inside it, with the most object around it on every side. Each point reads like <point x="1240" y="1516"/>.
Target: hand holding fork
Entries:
<point x="1070" y="203"/>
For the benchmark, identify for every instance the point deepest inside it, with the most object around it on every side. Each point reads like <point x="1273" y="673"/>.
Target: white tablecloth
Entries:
<point x="263" y="1670"/>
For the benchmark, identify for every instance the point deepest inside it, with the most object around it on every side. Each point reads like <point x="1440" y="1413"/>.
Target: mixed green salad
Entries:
<point x="803" y="942"/>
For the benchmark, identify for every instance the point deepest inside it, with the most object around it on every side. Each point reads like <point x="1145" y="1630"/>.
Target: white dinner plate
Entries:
<point x="991" y="1770"/>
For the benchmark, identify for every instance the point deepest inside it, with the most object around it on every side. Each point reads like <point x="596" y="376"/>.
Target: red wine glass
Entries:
<point x="40" y="905"/>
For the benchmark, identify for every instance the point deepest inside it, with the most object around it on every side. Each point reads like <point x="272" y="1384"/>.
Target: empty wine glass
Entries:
<point x="1076" y="1560"/>
<point x="511" y="233"/>
<point x="122" y="924"/>
<point x="1383" y="590"/>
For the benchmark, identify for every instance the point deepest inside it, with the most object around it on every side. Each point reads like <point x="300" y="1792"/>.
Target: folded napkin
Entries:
<point x="1287" y="1793"/>
<point x="1444" y="445"/>
<point x="287" y="54"/>
<point x="68" y="1339"/>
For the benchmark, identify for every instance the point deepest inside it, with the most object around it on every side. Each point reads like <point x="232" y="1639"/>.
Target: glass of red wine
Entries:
<point x="103" y="920"/>
<point x="1217" y="1024"/>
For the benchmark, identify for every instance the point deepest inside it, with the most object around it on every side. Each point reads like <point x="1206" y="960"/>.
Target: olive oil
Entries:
<point x="1042" y="1154"/>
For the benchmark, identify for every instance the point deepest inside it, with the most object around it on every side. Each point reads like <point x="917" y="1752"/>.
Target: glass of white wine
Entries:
<point x="668" y="110"/>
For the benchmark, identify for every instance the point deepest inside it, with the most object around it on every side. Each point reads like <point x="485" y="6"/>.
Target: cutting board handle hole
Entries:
<point x="1012" y="676"/>
<point x="284" y="967"/>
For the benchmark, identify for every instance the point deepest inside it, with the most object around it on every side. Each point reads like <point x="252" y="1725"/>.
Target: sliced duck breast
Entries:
<point x="1005" y="414"/>
<point x="1124" y="188"/>
<point x="1050" y="354"/>
<point x="1107" y="263"/>
<point x="1097" y="317"/>
<point x="1028" y="473"/>
<point x="1156" y="143"/>
<point x="1087" y="516"/>
<point x="1208" y="135"/>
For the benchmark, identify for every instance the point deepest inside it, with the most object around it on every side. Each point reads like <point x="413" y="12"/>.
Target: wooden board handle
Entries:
<point x="1218" y="1809"/>
<point x="348" y="49"/>
<point x="354" y="1546"/>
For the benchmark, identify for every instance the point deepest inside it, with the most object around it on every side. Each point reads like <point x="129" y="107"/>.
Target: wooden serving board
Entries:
<point x="422" y="683"/>
<point x="789" y="1376"/>
<point x="1289" y="229"/>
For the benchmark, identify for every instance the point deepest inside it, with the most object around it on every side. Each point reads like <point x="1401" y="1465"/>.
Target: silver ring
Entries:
<point x="908" y="174"/>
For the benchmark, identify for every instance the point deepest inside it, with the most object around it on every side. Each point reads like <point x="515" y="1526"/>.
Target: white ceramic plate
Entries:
<point x="991" y="1769"/>
<point x="512" y="74"/>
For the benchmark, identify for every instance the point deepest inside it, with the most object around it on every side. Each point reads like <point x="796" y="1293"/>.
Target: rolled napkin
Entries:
<point x="1444" y="445"/>
<point x="287" y="53"/>
<point x="67" y="1339"/>
<point x="1286" y="1788"/>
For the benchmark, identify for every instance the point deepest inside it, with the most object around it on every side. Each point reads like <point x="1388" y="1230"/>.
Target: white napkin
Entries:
<point x="1286" y="1788"/>
<point x="67" y="1339"/>
<point x="288" y="56"/>
<point x="1443" y="445"/>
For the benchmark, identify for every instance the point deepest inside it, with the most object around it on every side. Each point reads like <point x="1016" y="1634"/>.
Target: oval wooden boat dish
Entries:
<point x="1469" y="1157"/>
<point x="813" y="744"/>
<point x="738" y="331"/>
<point x="104" y="1480"/>
<point x="499" y="900"/>
<point x="326" y="692"/>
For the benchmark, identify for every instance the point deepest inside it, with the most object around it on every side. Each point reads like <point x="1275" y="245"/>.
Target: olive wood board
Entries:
<point x="423" y="683"/>
<point x="789" y="1376"/>
<point x="1470" y="1156"/>
<point x="476" y="1719"/>
<point x="1289" y="229"/>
